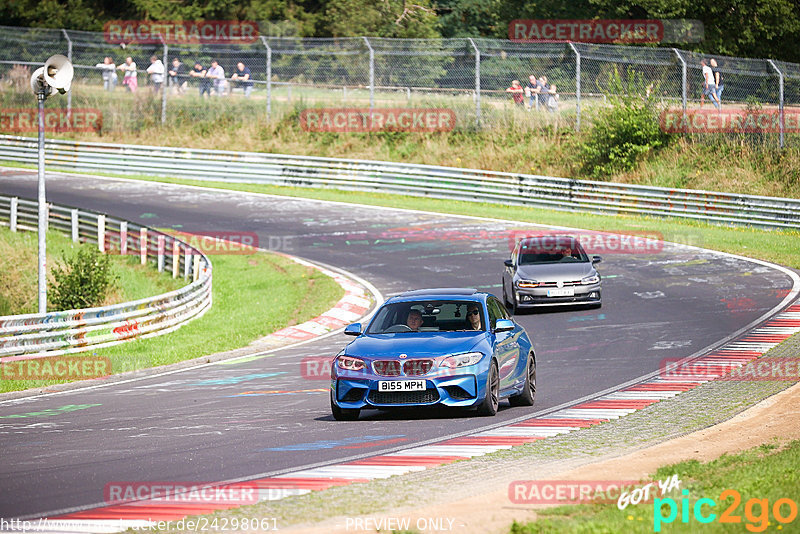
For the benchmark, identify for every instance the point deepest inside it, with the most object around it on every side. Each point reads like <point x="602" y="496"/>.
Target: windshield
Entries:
<point x="535" y="251"/>
<point x="428" y="316"/>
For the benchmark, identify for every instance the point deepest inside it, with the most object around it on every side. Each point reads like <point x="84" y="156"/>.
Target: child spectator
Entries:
<point x="517" y="93"/>
<point x="552" y="99"/>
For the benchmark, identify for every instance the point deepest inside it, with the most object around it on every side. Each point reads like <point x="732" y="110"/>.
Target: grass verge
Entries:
<point x="257" y="293"/>
<point x="761" y="477"/>
<point x="19" y="279"/>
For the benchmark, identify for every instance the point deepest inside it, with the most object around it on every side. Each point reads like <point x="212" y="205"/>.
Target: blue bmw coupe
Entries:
<point x="450" y="347"/>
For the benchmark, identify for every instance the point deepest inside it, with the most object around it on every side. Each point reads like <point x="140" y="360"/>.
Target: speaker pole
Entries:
<point x="41" y="95"/>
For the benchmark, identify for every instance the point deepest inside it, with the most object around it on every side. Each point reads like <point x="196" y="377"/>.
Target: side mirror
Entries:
<point x="596" y="259"/>
<point x="503" y="325"/>
<point x="508" y="263"/>
<point x="353" y="329"/>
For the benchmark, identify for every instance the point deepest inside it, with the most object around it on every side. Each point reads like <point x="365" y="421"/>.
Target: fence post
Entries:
<point x="161" y="246"/>
<point x="195" y="267"/>
<point x="371" y="74"/>
<point x="123" y="238"/>
<point x="577" y="88"/>
<point x="187" y="255"/>
<point x="12" y="218"/>
<point x="101" y="233"/>
<point x="69" y="57"/>
<point x="780" y="98"/>
<point x="477" y="82"/>
<point x="683" y="82"/>
<point x="269" y="77"/>
<point x="176" y="257"/>
<point x="143" y="245"/>
<point x="164" y="86"/>
<point x="75" y="225"/>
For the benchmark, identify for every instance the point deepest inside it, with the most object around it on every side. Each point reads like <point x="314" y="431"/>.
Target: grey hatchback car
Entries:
<point x="551" y="270"/>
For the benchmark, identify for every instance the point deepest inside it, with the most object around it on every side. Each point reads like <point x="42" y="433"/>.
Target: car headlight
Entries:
<point x="527" y="284"/>
<point x="348" y="363"/>
<point x="461" y="360"/>
<point x="589" y="280"/>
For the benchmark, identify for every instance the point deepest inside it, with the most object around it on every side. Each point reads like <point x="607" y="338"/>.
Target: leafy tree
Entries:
<point x="382" y="18"/>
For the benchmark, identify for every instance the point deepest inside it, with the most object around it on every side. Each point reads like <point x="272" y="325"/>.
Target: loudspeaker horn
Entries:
<point x="37" y="82"/>
<point x="58" y="73"/>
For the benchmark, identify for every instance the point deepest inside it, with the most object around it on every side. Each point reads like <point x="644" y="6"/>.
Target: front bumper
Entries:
<point x="458" y="391"/>
<point x="531" y="298"/>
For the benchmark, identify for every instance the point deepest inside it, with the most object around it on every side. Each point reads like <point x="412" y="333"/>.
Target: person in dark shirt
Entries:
<point x="544" y="91"/>
<point x="717" y="79"/>
<point x="241" y="76"/>
<point x="177" y="77"/>
<point x="205" y="83"/>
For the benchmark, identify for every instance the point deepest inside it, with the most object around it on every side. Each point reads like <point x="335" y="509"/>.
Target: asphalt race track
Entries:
<point x="220" y="422"/>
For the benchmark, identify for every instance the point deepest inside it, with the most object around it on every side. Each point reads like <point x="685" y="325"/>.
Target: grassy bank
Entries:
<point x="511" y="139"/>
<point x="765" y="474"/>
<point x="19" y="278"/>
<point x="253" y="296"/>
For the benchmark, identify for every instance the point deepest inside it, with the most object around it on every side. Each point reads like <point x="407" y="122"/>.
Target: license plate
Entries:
<point x="563" y="292"/>
<point x="401" y="385"/>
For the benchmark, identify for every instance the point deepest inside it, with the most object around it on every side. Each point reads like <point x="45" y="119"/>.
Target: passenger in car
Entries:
<point x="474" y="317"/>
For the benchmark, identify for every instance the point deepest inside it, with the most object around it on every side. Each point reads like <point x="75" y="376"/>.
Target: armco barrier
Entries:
<point x="410" y="179"/>
<point x="51" y="334"/>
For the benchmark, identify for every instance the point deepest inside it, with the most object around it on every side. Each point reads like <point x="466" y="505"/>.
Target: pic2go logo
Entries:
<point x="756" y="511"/>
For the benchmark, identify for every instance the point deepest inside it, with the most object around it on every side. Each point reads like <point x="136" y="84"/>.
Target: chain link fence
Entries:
<point x="471" y="77"/>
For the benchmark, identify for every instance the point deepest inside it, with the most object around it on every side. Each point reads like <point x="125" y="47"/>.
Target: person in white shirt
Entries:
<point x="709" y="85"/>
<point x="107" y="69"/>
<point x="217" y="73"/>
<point x="156" y="72"/>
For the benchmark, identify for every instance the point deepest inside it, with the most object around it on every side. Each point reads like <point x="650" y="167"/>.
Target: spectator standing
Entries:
<point x="242" y="77"/>
<point x="517" y="93"/>
<point x="177" y="76"/>
<point x="709" y="86"/>
<point x="108" y="70"/>
<point x="156" y="72"/>
<point x="129" y="80"/>
<point x="552" y="99"/>
<point x="204" y="82"/>
<point x="532" y="91"/>
<point x="217" y="74"/>
<point x="544" y="89"/>
<point x="717" y="80"/>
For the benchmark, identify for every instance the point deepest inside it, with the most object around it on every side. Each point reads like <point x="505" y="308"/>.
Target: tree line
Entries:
<point x="745" y="28"/>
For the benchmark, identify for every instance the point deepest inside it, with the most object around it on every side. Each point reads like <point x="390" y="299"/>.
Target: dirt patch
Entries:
<point x="490" y="511"/>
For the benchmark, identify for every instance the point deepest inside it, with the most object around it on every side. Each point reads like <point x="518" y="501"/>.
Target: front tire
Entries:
<point x="528" y="395"/>
<point x="344" y="414"/>
<point x="491" y="399"/>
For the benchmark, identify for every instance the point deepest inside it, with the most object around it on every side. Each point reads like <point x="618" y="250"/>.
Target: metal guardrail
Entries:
<point x="410" y="179"/>
<point x="65" y="332"/>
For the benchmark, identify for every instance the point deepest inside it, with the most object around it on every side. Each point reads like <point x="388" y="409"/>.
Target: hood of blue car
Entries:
<point x="422" y="344"/>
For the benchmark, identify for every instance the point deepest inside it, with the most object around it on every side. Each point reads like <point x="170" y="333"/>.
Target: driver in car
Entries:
<point x="414" y="320"/>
